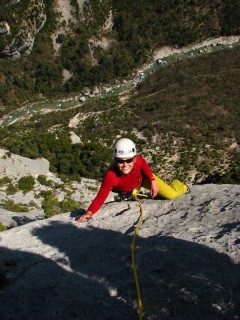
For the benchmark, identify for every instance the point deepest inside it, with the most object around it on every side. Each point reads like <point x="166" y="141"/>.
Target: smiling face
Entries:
<point x="125" y="165"/>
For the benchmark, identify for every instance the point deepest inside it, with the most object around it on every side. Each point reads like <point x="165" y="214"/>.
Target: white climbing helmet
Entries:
<point x="124" y="148"/>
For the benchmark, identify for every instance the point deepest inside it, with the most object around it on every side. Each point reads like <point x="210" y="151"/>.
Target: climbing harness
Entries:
<point x="137" y="193"/>
<point x="128" y="195"/>
<point x="125" y="196"/>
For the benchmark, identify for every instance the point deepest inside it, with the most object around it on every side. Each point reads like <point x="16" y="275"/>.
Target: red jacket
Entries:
<point x="121" y="183"/>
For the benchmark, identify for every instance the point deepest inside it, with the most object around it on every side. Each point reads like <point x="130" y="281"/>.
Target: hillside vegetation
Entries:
<point x="184" y="119"/>
<point x="132" y="29"/>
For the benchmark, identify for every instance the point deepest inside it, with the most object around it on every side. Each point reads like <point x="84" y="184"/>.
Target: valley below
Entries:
<point x="161" y="58"/>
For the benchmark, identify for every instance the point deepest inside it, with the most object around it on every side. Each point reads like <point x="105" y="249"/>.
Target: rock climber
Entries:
<point x="131" y="171"/>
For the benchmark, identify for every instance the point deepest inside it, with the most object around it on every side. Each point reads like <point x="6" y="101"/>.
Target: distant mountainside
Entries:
<point x="58" y="47"/>
<point x="184" y="117"/>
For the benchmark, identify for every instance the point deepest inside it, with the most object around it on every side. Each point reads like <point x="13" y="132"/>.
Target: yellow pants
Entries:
<point x="167" y="191"/>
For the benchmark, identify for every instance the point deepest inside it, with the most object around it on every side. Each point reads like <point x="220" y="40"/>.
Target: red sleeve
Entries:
<point x="145" y="169"/>
<point x="107" y="184"/>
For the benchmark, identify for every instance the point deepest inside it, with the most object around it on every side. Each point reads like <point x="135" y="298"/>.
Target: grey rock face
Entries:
<point x="186" y="251"/>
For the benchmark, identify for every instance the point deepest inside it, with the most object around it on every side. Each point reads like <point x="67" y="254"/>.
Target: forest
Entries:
<point x="187" y="112"/>
<point x="138" y="28"/>
<point x="188" y="109"/>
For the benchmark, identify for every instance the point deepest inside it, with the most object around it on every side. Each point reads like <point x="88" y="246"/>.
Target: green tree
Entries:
<point x="26" y="183"/>
<point x="50" y="205"/>
<point x="11" y="189"/>
<point x="43" y="180"/>
<point x="69" y="205"/>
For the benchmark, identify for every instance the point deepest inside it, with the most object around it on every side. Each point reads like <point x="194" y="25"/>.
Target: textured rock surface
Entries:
<point x="15" y="166"/>
<point x="187" y="255"/>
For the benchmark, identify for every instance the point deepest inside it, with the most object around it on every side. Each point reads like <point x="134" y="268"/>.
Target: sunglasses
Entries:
<point x="121" y="161"/>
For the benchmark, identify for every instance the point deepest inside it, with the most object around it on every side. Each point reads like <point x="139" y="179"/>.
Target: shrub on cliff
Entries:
<point x="26" y="184"/>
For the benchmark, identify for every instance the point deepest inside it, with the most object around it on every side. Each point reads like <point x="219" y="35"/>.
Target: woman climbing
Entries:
<point x="128" y="172"/>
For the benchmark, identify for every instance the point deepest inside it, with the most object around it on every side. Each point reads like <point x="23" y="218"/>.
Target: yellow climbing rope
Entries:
<point x="137" y="193"/>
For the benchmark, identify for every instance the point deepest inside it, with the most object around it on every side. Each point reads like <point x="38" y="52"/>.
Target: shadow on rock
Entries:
<point x="88" y="275"/>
